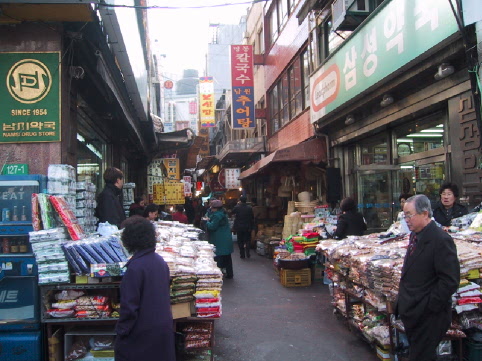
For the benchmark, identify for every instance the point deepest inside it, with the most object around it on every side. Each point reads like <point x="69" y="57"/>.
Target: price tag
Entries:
<point x="13" y="169"/>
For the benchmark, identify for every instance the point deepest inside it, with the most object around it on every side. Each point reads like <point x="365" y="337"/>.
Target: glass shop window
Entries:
<point x="375" y="151"/>
<point x="419" y="137"/>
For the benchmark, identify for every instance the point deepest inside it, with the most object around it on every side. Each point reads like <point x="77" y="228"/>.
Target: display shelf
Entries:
<point x="80" y="286"/>
<point x="194" y="320"/>
<point x="79" y="320"/>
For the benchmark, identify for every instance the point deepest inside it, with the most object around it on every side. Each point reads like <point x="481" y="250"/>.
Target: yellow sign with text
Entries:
<point x="168" y="193"/>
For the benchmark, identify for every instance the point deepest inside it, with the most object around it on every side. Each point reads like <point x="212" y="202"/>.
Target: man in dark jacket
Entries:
<point x="430" y="275"/>
<point x="109" y="201"/>
<point x="243" y="225"/>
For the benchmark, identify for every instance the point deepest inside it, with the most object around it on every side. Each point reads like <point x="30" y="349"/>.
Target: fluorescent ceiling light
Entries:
<point x="404" y="140"/>
<point x="425" y="135"/>
<point x="432" y="131"/>
<point x="406" y="166"/>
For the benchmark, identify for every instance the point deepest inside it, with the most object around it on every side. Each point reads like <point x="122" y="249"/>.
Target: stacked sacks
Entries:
<point x="183" y="288"/>
<point x="209" y="283"/>
<point x="468" y="297"/>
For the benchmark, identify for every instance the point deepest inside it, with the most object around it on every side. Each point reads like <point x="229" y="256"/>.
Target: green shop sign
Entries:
<point x="30" y="97"/>
<point x="394" y="36"/>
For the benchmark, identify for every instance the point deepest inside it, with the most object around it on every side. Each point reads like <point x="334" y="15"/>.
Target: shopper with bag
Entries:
<point x="217" y="225"/>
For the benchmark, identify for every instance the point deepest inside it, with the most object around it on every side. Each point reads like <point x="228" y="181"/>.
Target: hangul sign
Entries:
<point x="172" y="166"/>
<point x="168" y="193"/>
<point x="242" y="80"/>
<point x="231" y="178"/>
<point x="30" y="97"/>
<point x="402" y="31"/>
<point x="207" y="102"/>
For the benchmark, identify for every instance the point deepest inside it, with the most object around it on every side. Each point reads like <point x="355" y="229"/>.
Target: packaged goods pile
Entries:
<point x="81" y="304"/>
<point x="85" y="206"/>
<point x="90" y="347"/>
<point x="61" y="181"/>
<point x="51" y="261"/>
<point x="195" y="275"/>
<point x="369" y="267"/>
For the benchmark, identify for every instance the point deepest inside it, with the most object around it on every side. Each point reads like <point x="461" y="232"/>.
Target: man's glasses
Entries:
<point x="408" y="216"/>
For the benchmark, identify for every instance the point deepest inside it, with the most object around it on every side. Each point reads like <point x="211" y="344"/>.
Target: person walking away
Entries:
<point x="137" y="208"/>
<point x="430" y="275"/>
<point x="151" y="212"/>
<point x="243" y="225"/>
<point x="110" y="200"/>
<point x="219" y="232"/>
<point x="144" y="329"/>
<point x="179" y="215"/>
<point x="447" y="208"/>
<point x="350" y="222"/>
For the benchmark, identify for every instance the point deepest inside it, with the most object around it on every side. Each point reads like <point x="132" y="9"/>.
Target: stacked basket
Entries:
<point x="305" y="204"/>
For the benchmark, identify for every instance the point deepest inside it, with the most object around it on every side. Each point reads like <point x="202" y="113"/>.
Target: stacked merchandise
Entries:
<point x="128" y="196"/>
<point x="105" y="251"/>
<point x="78" y="304"/>
<point x="85" y="206"/>
<point x="91" y="348"/>
<point x="197" y="336"/>
<point x="191" y="263"/>
<point x="43" y="214"/>
<point x="61" y="181"/>
<point x="467" y="297"/>
<point x="370" y="268"/>
<point x="67" y="216"/>
<point x="209" y="283"/>
<point x="51" y="262"/>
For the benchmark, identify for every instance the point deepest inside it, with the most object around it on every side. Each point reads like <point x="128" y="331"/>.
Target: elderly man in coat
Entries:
<point x="220" y="235"/>
<point x="430" y="275"/>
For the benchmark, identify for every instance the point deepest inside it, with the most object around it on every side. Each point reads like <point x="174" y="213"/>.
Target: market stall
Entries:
<point x="77" y="274"/>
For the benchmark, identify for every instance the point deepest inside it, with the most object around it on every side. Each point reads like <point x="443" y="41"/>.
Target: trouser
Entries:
<point x="226" y="262"/>
<point x="425" y="337"/>
<point x="244" y="242"/>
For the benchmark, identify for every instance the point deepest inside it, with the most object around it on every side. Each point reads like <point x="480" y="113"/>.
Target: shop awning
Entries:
<point x="313" y="150"/>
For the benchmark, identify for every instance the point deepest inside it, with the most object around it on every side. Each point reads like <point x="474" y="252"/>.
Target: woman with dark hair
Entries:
<point x="350" y="222"/>
<point x="137" y="208"/>
<point x="448" y="208"/>
<point x="217" y="225"/>
<point x="144" y="330"/>
<point x="151" y="212"/>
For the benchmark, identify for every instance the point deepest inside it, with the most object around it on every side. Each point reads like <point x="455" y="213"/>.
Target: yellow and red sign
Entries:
<point x="168" y="193"/>
<point x="207" y="102"/>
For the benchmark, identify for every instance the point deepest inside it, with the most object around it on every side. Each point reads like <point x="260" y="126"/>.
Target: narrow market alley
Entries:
<point x="264" y="321"/>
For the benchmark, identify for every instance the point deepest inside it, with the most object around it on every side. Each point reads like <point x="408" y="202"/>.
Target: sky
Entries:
<point x="183" y="34"/>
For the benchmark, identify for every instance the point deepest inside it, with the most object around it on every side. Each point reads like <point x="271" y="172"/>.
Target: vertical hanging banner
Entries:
<point x="206" y="101"/>
<point x="242" y="83"/>
<point x="30" y="97"/>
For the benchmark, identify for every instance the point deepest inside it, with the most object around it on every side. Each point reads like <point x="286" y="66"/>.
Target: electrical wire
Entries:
<point x="179" y="7"/>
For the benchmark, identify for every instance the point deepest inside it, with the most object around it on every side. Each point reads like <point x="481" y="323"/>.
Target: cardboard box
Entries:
<point x="181" y="310"/>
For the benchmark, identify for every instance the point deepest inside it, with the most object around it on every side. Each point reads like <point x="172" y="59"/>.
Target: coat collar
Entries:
<point x="116" y="190"/>
<point x="422" y="241"/>
<point x="140" y="254"/>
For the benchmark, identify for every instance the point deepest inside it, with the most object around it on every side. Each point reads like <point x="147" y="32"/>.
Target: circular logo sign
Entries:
<point x="29" y="81"/>
<point x="168" y="84"/>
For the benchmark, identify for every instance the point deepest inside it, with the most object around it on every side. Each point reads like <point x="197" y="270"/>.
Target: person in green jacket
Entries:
<point x="220" y="236"/>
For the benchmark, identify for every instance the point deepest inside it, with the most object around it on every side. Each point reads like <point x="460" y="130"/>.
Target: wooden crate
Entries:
<point x="295" y="278"/>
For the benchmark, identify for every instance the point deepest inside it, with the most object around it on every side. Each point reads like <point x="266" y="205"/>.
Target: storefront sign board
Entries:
<point x="399" y="32"/>
<point x="168" y="193"/>
<point x="30" y="97"/>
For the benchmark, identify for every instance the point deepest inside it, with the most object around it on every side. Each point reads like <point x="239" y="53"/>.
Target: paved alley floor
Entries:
<point x="264" y="321"/>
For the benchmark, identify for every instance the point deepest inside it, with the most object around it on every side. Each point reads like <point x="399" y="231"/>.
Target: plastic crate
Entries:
<point x="295" y="278"/>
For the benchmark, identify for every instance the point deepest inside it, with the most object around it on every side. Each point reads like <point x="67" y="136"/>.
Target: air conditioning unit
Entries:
<point x="348" y="14"/>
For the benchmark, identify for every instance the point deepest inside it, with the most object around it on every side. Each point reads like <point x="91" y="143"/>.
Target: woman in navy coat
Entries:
<point x="145" y="328"/>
